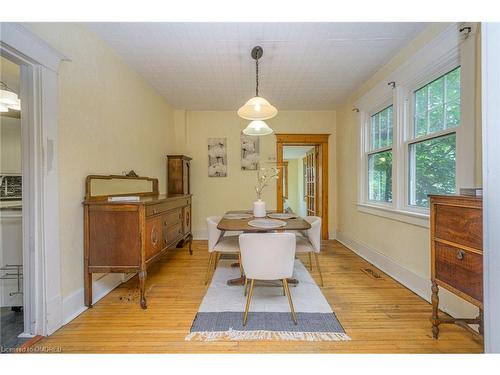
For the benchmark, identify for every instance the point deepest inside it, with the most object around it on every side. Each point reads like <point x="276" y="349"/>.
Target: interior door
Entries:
<point x="311" y="183"/>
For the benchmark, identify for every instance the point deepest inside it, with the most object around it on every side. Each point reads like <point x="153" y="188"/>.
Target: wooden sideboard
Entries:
<point x="457" y="254"/>
<point x="128" y="236"/>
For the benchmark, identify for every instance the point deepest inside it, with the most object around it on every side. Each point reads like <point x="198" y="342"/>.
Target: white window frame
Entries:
<point x="446" y="52"/>
<point x="367" y="151"/>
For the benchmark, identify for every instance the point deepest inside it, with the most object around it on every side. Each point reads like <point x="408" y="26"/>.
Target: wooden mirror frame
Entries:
<point x="89" y="178"/>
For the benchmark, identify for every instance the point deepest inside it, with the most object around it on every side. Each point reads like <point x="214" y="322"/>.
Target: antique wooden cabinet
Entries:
<point x="127" y="236"/>
<point x="457" y="254"/>
<point x="178" y="174"/>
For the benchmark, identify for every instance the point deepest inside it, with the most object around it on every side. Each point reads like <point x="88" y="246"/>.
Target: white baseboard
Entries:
<point x="200" y="234"/>
<point x="73" y="305"/>
<point x="416" y="283"/>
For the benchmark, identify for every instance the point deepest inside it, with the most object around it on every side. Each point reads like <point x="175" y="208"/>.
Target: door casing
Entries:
<point x="320" y="141"/>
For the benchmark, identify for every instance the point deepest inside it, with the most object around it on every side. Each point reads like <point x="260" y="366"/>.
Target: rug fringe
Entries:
<point x="233" y="335"/>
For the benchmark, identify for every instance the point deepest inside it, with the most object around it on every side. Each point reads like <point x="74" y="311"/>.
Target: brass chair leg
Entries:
<point x="310" y="262"/>
<point x="210" y="258"/>
<point x="284" y="291"/>
<point x="285" y="285"/>
<point x="217" y="256"/>
<point x="245" y="287"/>
<point x="319" y="268"/>
<point x="249" y="298"/>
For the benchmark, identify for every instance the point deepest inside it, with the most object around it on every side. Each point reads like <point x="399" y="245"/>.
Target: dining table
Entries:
<point x="231" y="223"/>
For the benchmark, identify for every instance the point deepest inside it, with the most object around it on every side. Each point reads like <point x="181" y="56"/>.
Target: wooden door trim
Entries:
<point x="321" y="141"/>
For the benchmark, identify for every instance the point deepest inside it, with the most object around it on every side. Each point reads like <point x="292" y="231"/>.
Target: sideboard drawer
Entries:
<point x="463" y="225"/>
<point x="158" y="208"/>
<point x="174" y="232"/>
<point x="174" y="216"/>
<point x="461" y="269"/>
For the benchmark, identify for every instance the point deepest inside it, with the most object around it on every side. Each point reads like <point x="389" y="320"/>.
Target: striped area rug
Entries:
<point x="220" y="316"/>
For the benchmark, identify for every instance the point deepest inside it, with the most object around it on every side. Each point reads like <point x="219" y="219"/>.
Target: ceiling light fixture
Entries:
<point x="257" y="109"/>
<point x="257" y="127"/>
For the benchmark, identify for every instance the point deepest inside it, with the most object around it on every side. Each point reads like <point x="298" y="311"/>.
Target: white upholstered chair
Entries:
<point x="217" y="245"/>
<point x="268" y="256"/>
<point x="310" y="242"/>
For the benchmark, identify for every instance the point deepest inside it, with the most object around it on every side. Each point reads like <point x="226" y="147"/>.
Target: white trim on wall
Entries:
<point x="409" y="279"/>
<point x="490" y="34"/>
<point x="73" y="305"/>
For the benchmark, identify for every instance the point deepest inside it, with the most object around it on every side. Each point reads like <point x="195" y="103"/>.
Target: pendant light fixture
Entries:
<point x="257" y="109"/>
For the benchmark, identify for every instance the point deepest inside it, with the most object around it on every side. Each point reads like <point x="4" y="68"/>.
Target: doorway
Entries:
<point x="11" y="208"/>
<point x="303" y="184"/>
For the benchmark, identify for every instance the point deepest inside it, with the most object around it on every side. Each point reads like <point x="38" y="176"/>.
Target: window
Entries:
<point x="380" y="156"/>
<point x="418" y="133"/>
<point x="432" y="149"/>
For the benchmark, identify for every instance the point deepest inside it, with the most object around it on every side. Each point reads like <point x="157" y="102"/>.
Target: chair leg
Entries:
<point x="284" y="290"/>
<point x="249" y="298"/>
<point x="217" y="256"/>
<point x="245" y="288"/>
<point x="210" y="258"/>
<point x="310" y="262"/>
<point x="241" y="266"/>
<point x="285" y="285"/>
<point x="319" y="268"/>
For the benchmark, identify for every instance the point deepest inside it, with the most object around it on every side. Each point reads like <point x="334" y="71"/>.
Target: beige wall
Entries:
<point x="110" y="120"/>
<point x="215" y="195"/>
<point x="402" y="243"/>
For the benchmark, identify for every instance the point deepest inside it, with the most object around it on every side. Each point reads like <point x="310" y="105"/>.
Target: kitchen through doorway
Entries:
<point x="11" y="209"/>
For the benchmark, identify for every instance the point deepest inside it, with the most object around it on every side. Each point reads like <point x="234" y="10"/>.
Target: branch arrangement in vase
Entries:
<point x="264" y="175"/>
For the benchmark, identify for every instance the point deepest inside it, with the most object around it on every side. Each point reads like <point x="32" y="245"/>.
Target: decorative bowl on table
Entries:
<point x="267" y="223"/>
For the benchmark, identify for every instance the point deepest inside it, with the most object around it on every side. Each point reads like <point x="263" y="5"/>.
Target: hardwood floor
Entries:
<point x="379" y="314"/>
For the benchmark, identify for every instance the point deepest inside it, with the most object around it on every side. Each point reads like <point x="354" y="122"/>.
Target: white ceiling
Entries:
<point x="295" y="152"/>
<point x="207" y="66"/>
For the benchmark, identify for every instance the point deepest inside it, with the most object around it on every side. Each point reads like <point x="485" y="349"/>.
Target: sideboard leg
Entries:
<point x="190" y="245"/>
<point x="87" y="287"/>
<point x="435" y="309"/>
<point x="142" y="287"/>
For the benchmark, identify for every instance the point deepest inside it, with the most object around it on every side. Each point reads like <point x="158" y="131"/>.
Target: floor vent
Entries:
<point x="373" y="274"/>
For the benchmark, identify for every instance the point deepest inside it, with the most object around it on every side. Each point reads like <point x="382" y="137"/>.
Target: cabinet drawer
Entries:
<point x="174" y="216"/>
<point x="158" y="208"/>
<point x="173" y="233"/>
<point x="461" y="269"/>
<point x="463" y="225"/>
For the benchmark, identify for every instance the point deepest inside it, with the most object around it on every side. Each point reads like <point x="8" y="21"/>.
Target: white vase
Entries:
<point x="259" y="208"/>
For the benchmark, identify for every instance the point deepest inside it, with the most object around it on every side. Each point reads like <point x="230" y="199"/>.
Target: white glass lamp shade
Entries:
<point x="3" y="108"/>
<point x="17" y="106"/>
<point x="8" y="97"/>
<point x="257" y="108"/>
<point x="257" y="127"/>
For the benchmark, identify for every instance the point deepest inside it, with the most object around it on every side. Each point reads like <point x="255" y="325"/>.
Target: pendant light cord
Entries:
<point x="257" y="77"/>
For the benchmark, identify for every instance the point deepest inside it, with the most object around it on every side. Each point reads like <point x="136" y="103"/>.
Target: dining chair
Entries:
<point x="266" y="257"/>
<point x="310" y="242"/>
<point x="228" y="244"/>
